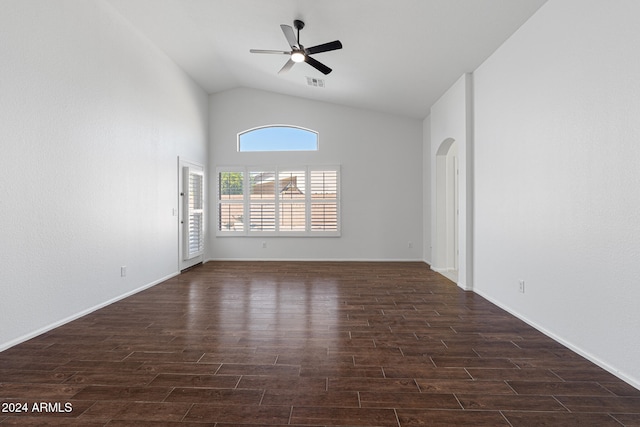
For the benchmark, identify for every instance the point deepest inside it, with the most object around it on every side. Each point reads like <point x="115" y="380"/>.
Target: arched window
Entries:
<point x="278" y="138"/>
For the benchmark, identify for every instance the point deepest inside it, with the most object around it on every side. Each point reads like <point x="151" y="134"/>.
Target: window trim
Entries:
<point x="308" y="202"/>
<point x="238" y="147"/>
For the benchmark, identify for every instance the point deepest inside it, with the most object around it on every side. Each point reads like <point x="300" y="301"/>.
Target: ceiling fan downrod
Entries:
<point x="298" y="24"/>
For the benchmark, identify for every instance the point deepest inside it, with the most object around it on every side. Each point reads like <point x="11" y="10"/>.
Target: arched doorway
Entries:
<point x="447" y="210"/>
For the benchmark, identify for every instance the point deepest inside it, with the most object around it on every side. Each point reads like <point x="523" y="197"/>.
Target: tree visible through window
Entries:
<point x="231" y="201"/>
<point x="278" y="138"/>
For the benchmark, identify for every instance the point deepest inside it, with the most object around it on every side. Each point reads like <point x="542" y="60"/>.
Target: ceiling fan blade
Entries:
<point x="286" y="67"/>
<point x="280" y="52"/>
<point x="326" y="47"/>
<point x="290" y="35"/>
<point x="317" y="65"/>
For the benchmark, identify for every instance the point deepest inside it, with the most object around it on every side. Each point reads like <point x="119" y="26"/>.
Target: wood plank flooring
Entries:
<point x="306" y="344"/>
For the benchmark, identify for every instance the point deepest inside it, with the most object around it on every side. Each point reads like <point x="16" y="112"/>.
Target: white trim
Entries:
<point x="318" y="260"/>
<point x="279" y="234"/>
<point x="632" y="381"/>
<point x="277" y="126"/>
<point x="449" y="273"/>
<point x="16" y="341"/>
<point x="188" y="171"/>
<point x="181" y="221"/>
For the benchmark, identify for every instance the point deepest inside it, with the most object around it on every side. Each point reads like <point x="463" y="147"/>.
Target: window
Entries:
<point x="278" y="201"/>
<point x="292" y="195"/>
<point x="278" y="138"/>
<point x="231" y="201"/>
<point x="262" y="200"/>
<point x="324" y="191"/>
<point x="193" y="180"/>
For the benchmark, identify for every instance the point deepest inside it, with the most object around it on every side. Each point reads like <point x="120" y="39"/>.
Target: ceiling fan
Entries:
<point x="300" y="53"/>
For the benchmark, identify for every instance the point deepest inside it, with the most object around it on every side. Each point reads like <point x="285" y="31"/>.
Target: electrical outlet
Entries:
<point x="521" y="286"/>
<point x="264" y="245"/>
<point x="410" y="245"/>
<point x="123" y="271"/>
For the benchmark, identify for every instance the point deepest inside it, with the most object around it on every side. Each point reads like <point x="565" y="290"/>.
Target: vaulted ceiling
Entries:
<point x="399" y="56"/>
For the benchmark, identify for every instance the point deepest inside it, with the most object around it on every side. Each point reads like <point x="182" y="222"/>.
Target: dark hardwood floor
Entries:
<point x="321" y="344"/>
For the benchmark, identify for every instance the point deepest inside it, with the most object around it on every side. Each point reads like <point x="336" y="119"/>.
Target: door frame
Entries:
<point x="182" y="263"/>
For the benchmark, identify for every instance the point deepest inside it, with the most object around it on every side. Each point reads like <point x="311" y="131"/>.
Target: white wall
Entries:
<point x="426" y="191"/>
<point x="381" y="182"/>
<point x="558" y="178"/>
<point x="92" y="120"/>
<point x="451" y="120"/>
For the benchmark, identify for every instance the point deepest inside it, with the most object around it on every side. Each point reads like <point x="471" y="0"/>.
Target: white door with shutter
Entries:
<point x="192" y="227"/>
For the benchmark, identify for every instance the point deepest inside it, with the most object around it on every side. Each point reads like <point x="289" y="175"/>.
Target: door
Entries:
<point x="192" y="218"/>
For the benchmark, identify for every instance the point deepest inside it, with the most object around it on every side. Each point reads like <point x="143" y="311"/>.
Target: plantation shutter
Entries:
<point x="324" y="200"/>
<point x="231" y="201"/>
<point x="292" y="200"/>
<point x="278" y="201"/>
<point x="193" y="180"/>
<point x="262" y="200"/>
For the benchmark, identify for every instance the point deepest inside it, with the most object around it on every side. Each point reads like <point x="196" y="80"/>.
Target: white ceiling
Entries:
<point x="399" y="56"/>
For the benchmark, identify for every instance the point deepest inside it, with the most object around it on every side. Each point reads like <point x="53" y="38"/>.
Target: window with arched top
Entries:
<point x="278" y="138"/>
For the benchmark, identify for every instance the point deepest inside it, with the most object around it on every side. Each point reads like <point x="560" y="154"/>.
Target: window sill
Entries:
<point x="278" y="234"/>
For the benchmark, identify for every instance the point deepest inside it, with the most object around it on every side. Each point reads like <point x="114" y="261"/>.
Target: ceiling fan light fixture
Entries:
<point x="299" y="53"/>
<point x="297" y="56"/>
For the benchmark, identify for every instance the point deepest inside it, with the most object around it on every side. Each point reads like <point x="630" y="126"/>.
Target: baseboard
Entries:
<point x="317" y="259"/>
<point x="631" y="381"/>
<point x="442" y="271"/>
<point x="16" y="341"/>
<point x="451" y="275"/>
